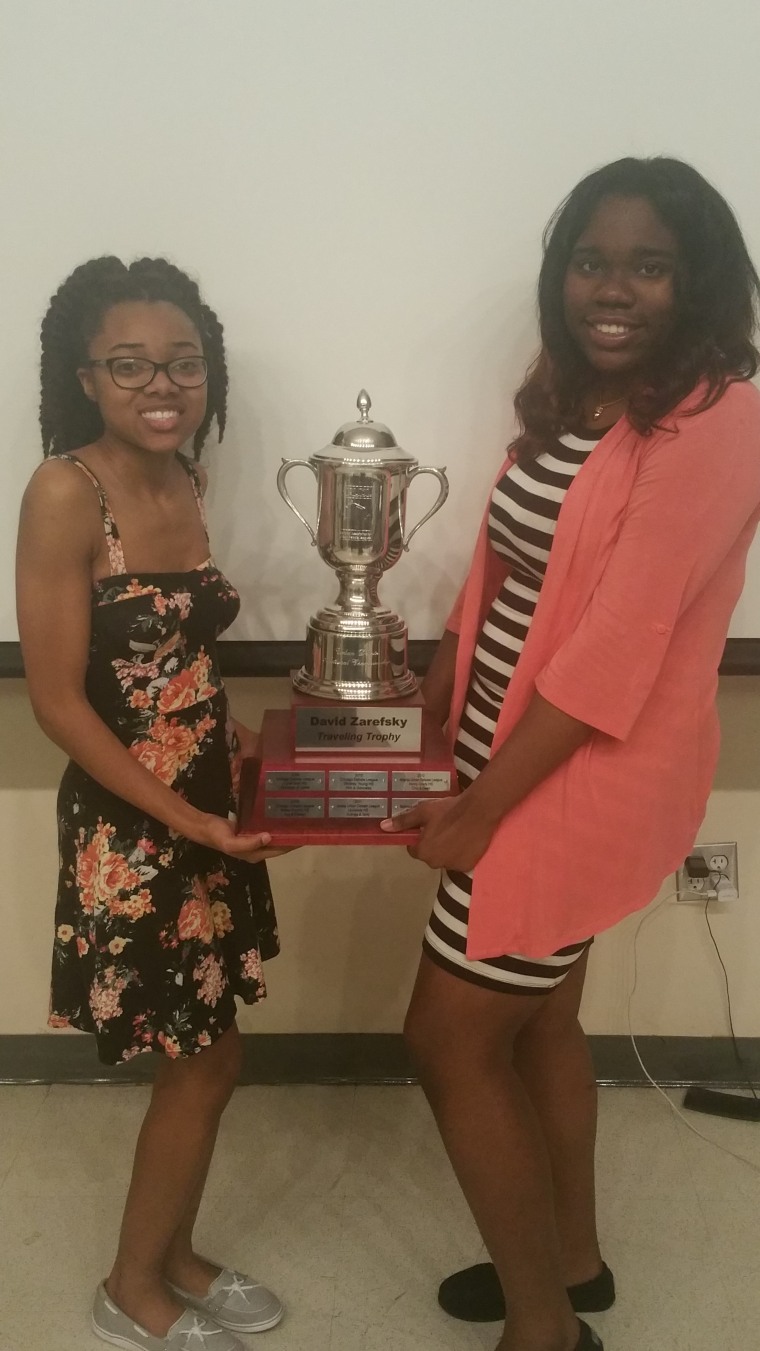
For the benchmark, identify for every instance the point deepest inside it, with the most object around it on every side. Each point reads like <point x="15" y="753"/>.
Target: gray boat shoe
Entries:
<point x="191" y="1332"/>
<point x="237" y="1302"/>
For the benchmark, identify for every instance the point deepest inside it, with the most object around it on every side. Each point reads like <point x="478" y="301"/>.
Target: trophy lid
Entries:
<point x="364" y="441"/>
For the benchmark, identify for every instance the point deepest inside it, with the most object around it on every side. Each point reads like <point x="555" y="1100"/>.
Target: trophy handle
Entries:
<point x="282" y="474"/>
<point x="440" y="474"/>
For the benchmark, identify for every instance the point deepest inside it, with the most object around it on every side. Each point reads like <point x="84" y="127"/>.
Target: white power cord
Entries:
<point x="676" y="1110"/>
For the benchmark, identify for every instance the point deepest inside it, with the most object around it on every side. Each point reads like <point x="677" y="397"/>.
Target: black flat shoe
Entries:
<point x="589" y="1340"/>
<point x="475" y="1295"/>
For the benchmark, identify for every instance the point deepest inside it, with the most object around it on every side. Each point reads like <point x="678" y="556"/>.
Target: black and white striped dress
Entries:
<point x="525" y="507"/>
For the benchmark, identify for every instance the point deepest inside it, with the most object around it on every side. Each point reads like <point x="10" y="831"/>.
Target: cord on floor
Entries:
<point x="676" y="1110"/>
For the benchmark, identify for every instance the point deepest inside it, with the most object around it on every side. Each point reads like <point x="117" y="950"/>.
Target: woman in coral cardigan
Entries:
<point x="578" y="676"/>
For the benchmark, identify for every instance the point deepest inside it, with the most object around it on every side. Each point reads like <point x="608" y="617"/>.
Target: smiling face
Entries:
<point x="619" y="290"/>
<point x="161" y="416"/>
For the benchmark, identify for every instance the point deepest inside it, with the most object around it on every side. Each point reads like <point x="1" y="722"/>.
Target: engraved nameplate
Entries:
<point x="355" y="807"/>
<point x="350" y="727"/>
<point x="405" y="804"/>
<point x="358" y="780"/>
<point x="295" y="780"/>
<point x="421" y="781"/>
<point x="291" y="808"/>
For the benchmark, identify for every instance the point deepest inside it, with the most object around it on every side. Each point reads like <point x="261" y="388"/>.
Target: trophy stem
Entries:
<point x="356" y="649"/>
<point x="358" y="590"/>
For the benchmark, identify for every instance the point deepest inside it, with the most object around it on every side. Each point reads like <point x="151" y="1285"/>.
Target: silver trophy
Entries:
<point x="356" y="648"/>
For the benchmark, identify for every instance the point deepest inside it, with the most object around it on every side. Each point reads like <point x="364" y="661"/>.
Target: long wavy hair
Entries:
<point x="69" y="419"/>
<point x="717" y="290"/>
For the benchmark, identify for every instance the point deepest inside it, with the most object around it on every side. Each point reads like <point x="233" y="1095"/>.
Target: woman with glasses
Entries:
<point x="164" y="915"/>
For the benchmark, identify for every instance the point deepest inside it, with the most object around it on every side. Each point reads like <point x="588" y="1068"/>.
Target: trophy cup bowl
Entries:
<point x="356" y="648"/>
<point x="357" y="744"/>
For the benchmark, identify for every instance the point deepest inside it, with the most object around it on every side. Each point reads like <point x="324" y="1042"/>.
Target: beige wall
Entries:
<point x="351" y="920"/>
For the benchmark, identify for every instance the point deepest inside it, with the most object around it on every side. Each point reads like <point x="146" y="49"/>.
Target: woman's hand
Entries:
<point x="218" y="833"/>
<point x="248" y="740"/>
<point x="452" y="834"/>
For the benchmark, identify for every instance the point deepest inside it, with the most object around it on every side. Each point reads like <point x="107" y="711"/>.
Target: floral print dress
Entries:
<point x="156" y="935"/>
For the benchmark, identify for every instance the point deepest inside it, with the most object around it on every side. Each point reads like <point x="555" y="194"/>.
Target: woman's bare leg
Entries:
<point x="172" y="1158"/>
<point x="183" y="1266"/>
<point x="553" y="1059"/>
<point x="462" y="1039"/>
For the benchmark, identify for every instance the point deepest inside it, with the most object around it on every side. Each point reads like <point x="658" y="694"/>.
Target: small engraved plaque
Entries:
<point x="358" y="807"/>
<point x="405" y="804"/>
<point x="295" y="780"/>
<point x="421" y="781"/>
<point x="358" y="780"/>
<point x="293" y="808"/>
<point x="366" y="727"/>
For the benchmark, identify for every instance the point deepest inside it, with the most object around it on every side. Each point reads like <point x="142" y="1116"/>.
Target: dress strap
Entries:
<point x="116" y="560"/>
<point x="192" y="473"/>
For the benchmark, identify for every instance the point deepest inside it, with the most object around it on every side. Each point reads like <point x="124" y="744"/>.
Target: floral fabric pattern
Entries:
<point x="155" y="936"/>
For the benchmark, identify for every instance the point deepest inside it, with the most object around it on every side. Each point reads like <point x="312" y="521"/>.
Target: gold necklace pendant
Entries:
<point x="600" y="407"/>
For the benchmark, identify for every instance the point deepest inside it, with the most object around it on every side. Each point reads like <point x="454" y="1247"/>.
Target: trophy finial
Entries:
<point x="364" y="403"/>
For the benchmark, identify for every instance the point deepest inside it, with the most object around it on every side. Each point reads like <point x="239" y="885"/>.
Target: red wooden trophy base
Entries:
<point x="337" y="796"/>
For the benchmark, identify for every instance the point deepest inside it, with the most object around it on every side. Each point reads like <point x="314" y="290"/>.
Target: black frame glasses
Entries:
<point x="151" y="369"/>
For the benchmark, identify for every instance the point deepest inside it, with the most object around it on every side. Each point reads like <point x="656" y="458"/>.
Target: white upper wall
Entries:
<point x="360" y="187"/>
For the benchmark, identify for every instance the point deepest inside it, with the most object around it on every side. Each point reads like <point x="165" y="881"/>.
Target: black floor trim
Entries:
<point x="373" y="1058"/>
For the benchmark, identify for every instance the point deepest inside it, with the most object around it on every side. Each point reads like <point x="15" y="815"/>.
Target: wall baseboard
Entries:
<point x="375" y="1058"/>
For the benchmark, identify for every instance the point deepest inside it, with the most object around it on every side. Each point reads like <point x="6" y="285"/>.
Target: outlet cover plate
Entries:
<point x="690" y="890"/>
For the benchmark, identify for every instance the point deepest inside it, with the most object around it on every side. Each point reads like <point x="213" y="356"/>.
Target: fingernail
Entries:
<point x="387" y="824"/>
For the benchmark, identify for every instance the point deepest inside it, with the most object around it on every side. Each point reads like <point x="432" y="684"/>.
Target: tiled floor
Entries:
<point x="342" y="1199"/>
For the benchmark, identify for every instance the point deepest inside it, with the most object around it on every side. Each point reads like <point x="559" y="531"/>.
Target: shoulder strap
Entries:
<point x="192" y="473"/>
<point x="113" y="540"/>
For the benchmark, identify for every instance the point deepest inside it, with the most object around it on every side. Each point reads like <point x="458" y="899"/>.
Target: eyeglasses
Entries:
<point x="137" y="372"/>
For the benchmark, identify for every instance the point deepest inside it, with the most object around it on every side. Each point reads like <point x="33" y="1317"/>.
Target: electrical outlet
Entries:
<point x="722" y="882"/>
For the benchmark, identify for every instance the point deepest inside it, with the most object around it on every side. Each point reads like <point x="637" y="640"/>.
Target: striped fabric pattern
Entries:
<point x="525" y="507"/>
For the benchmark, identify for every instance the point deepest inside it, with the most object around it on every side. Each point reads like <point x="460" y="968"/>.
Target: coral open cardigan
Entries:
<point x="646" y="567"/>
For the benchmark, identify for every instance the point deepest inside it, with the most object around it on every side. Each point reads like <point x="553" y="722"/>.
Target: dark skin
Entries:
<point x="62" y="550"/>
<point x="61" y="537"/>
<point x="509" y="1076"/>
<point x="621" y="277"/>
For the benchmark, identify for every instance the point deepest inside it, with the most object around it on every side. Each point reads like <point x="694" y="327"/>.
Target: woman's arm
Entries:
<point x="247" y="737"/>
<point x="455" y="833"/>
<point x="57" y="542"/>
<point x="438" y="685"/>
<point x="676" y="532"/>
<point x="695" y="500"/>
<point x="542" y="740"/>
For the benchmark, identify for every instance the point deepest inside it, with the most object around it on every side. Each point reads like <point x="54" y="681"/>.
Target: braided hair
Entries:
<point x="68" y="418"/>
